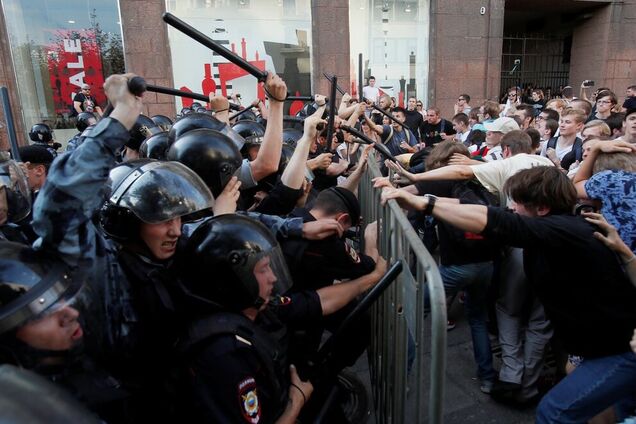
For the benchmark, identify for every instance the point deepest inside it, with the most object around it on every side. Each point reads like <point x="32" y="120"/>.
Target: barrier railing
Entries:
<point x="400" y="316"/>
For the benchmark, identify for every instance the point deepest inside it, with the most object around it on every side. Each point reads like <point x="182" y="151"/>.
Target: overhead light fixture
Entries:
<point x="408" y="8"/>
<point x="71" y="22"/>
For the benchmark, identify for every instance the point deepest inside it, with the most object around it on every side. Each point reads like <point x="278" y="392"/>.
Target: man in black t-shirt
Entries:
<point x="413" y="117"/>
<point x="84" y="102"/>
<point x="435" y="128"/>
<point x="586" y="294"/>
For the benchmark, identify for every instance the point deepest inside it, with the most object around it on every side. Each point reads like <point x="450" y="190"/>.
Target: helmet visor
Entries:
<point x="15" y="198"/>
<point x="27" y="296"/>
<point x="160" y="191"/>
<point x="267" y="270"/>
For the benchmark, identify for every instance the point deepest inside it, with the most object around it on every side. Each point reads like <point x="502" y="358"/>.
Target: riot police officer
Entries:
<point x="42" y="134"/>
<point x="83" y="121"/>
<point x="41" y="300"/>
<point x="234" y="350"/>
<point x="143" y="213"/>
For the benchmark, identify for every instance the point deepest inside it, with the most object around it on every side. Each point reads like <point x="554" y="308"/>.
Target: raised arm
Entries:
<point x="73" y="190"/>
<point x="378" y="129"/>
<point x="593" y="148"/>
<point x="294" y="173"/>
<point x="268" y="157"/>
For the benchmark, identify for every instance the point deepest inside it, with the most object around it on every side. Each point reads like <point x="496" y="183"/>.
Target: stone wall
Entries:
<point x="604" y="48"/>
<point x="330" y="43"/>
<point x="465" y="51"/>
<point x="147" y="52"/>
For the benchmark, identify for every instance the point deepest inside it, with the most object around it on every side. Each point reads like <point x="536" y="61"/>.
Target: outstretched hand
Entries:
<point x="398" y="169"/>
<point x="403" y="197"/>
<point x="608" y="235"/>
<point x="226" y="201"/>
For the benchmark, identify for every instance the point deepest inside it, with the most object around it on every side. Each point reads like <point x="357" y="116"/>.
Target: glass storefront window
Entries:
<point x="393" y="37"/>
<point x="57" y="46"/>
<point x="271" y="34"/>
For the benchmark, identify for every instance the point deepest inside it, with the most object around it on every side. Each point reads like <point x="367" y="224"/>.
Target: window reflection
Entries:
<point x="392" y="36"/>
<point x="271" y="34"/>
<point x="56" y="47"/>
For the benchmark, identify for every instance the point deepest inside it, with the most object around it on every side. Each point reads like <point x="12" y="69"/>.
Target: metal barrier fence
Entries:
<point x="400" y="316"/>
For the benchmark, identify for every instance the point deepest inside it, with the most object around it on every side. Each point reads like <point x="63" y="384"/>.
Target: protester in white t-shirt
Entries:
<point x="371" y="92"/>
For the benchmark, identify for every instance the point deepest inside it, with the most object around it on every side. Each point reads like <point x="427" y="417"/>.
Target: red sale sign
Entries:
<point x="74" y="59"/>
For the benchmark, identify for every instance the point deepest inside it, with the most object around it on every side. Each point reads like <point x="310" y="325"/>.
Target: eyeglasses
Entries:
<point x="419" y="105"/>
<point x="512" y="95"/>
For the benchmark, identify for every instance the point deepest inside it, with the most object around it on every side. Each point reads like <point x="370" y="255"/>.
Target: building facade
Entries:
<point x="431" y="49"/>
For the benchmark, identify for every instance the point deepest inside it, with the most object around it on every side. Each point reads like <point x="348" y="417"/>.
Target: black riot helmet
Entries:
<point x="84" y="120"/>
<point x="286" y="154"/>
<point x="15" y="197"/>
<point x="291" y="136"/>
<point x="247" y="116"/>
<point x="252" y="132"/>
<point x="41" y="133"/>
<point x="247" y="129"/>
<point x="155" y="147"/>
<point x="224" y="260"/>
<point x="184" y="111"/>
<point x="194" y="121"/>
<point x="152" y="192"/>
<point x="143" y="128"/>
<point x="209" y="153"/>
<point x="162" y="121"/>
<point x="32" y="285"/>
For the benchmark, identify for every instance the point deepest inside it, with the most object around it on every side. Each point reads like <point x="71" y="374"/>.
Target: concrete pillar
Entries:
<point x="330" y="43"/>
<point x="465" y="51"/>
<point x="147" y="52"/>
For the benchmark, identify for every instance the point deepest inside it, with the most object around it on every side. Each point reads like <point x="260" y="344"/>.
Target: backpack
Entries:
<point x="577" y="147"/>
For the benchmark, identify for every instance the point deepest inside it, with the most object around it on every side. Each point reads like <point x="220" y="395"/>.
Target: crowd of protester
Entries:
<point x="557" y="274"/>
<point x="158" y="269"/>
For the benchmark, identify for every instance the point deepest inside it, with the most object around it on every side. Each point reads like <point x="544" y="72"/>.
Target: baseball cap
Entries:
<point x="36" y="154"/>
<point x="351" y="202"/>
<point x="502" y="125"/>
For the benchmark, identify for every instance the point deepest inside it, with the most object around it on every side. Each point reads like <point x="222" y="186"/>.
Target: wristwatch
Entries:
<point x="430" y="204"/>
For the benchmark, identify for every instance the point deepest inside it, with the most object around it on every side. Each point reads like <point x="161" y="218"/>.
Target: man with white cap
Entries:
<point x="494" y="133"/>
<point x="84" y="102"/>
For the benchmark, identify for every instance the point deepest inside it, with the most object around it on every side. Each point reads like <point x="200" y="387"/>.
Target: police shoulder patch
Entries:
<point x="353" y="255"/>
<point x="248" y="399"/>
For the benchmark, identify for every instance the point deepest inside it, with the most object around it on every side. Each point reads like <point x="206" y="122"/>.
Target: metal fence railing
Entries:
<point x="400" y="318"/>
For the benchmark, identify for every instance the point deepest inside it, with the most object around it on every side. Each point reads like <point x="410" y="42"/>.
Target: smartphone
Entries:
<point x="588" y="83"/>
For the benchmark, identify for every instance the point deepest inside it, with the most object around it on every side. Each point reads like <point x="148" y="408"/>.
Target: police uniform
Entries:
<point x="249" y="358"/>
<point x="63" y="222"/>
<point x="317" y="263"/>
